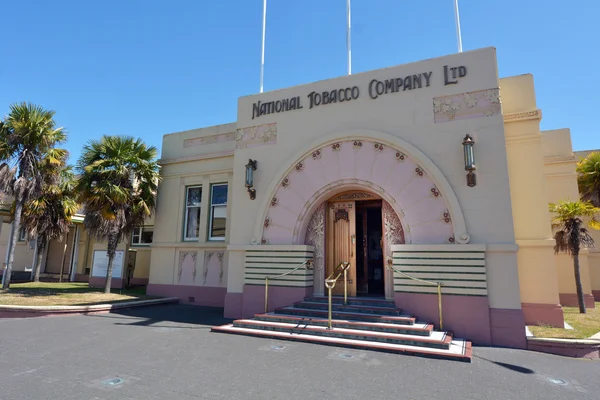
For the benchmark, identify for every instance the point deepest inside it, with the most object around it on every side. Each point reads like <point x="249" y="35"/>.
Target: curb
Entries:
<point x="578" y="348"/>
<point x="9" y="311"/>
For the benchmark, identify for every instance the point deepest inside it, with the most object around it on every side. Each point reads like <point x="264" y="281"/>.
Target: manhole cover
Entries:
<point x="278" y="347"/>
<point x="557" y="381"/>
<point x="112" y="382"/>
<point x="345" y="355"/>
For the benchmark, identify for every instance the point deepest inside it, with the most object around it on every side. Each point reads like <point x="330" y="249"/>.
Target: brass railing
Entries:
<point x="308" y="264"/>
<point x="330" y="282"/>
<point x="439" y="285"/>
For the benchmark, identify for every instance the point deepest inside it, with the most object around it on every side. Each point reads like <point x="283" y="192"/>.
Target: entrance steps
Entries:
<point x="369" y="324"/>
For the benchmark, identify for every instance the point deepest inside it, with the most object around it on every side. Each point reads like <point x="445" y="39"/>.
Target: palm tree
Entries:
<point x="48" y="216"/>
<point x="588" y="171"/>
<point x="117" y="187"/>
<point x="28" y="135"/>
<point x="570" y="234"/>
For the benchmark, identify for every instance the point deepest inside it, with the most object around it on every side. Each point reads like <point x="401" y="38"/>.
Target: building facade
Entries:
<point x="374" y="169"/>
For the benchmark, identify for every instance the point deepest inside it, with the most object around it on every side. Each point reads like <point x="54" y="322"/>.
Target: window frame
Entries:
<point x="185" y="219"/>
<point x="211" y="209"/>
<point x="22" y="235"/>
<point x="139" y="230"/>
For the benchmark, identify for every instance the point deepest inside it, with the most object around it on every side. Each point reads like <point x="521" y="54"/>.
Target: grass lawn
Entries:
<point x="584" y="325"/>
<point x="65" y="294"/>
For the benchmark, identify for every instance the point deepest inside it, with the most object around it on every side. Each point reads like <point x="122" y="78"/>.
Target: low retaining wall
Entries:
<point x="41" y="311"/>
<point x="566" y="347"/>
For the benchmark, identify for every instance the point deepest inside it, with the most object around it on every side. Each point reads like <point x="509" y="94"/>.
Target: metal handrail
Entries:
<point x="308" y="264"/>
<point x="438" y="284"/>
<point x="330" y="284"/>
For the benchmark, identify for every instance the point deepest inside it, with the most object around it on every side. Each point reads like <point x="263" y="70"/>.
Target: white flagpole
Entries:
<point x="262" y="60"/>
<point x="348" y="38"/>
<point x="457" y="21"/>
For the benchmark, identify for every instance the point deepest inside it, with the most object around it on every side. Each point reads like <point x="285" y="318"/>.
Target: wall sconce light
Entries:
<point x="468" y="143"/>
<point x="250" y="168"/>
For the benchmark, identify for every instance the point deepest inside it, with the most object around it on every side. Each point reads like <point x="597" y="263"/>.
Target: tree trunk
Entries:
<point x="580" y="299"/>
<point x="41" y="250"/>
<point x="62" y="262"/>
<point x="111" y="250"/>
<point x="13" y="241"/>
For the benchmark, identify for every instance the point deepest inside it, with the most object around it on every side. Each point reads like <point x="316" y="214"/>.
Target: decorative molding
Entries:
<point x="341" y="213"/>
<point x="479" y="104"/>
<point x="207" y="256"/>
<point x="220" y="256"/>
<point x="394" y="233"/>
<point x="315" y="236"/>
<point x="206" y="140"/>
<point x="523" y="116"/>
<point x="182" y="256"/>
<point x="354" y="196"/>
<point x="253" y="136"/>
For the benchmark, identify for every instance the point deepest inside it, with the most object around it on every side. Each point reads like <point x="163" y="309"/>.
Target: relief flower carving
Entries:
<point x="400" y="156"/>
<point x="419" y="171"/>
<point x="264" y="240"/>
<point x="357" y="144"/>
<point x="435" y="191"/>
<point x="378" y="147"/>
<point x="267" y="222"/>
<point x="285" y="183"/>
<point x="299" y="166"/>
<point x="335" y="147"/>
<point x="274" y="201"/>
<point x="493" y="96"/>
<point x="470" y="100"/>
<point x="316" y="154"/>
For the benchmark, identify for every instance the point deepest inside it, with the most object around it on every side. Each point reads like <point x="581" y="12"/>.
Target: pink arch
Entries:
<point x="358" y="164"/>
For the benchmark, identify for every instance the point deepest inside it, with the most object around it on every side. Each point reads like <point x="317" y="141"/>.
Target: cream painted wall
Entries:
<point x="537" y="264"/>
<point x="200" y="157"/>
<point x="561" y="180"/>
<point x="406" y="115"/>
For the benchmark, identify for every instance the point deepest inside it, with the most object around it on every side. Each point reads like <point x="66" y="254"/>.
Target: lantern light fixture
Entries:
<point x="468" y="144"/>
<point x="250" y="168"/>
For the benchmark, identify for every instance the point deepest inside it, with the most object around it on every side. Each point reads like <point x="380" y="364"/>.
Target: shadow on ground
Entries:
<point x="169" y="316"/>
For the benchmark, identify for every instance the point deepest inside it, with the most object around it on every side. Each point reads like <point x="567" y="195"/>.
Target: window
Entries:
<point x="193" y="201"/>
<point x="142" y="235"/>
<point x="218" y="212"/>
<point x="22" y="235"/>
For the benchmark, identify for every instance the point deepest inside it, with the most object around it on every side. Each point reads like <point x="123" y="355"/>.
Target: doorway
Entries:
<point x="369" y="252"/>
<point x="355" y="234"/>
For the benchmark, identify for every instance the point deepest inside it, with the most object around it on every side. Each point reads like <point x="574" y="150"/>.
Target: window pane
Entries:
<point x="147" y="234"/>
<point x="192" y="225"/>
<point x="135" y="238"/>
<point x="194" y="196"/>
<point x="219" y="194"/>
<point x="219" y="219"/>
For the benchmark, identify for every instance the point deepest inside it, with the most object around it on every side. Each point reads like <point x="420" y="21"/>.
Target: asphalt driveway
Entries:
<point x="168" y="352"/>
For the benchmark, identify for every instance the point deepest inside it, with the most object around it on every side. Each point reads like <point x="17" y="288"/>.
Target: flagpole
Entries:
<point x="262" y="59"/>
<point x="348" y="38"/>
<point x="457" y="21"/>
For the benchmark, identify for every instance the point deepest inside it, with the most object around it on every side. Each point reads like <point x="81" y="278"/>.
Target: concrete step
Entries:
<point x="438" y="340"/>
<point x="420" y="329"/>
<point x="458" y="349"/>
<point x="349" y="308"/>
<point x="354" y="301"/>
<point x="346" y="315"/>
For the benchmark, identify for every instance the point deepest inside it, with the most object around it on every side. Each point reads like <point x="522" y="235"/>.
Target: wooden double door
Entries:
<point x="354" y="234"/>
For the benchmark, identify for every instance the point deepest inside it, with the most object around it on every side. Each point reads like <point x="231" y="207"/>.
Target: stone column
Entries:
<point x="536" y="261"/>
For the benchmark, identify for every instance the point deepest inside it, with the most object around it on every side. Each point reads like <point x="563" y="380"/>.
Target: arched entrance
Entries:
<point x="358" y="227"/>
<point x="396" y="172"/>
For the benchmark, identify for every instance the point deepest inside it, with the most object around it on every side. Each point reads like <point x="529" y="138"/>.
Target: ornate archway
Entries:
<point x="401" y="175"/>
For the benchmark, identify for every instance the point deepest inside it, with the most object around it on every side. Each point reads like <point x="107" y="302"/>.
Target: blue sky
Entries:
<point x="149" y="67"/>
